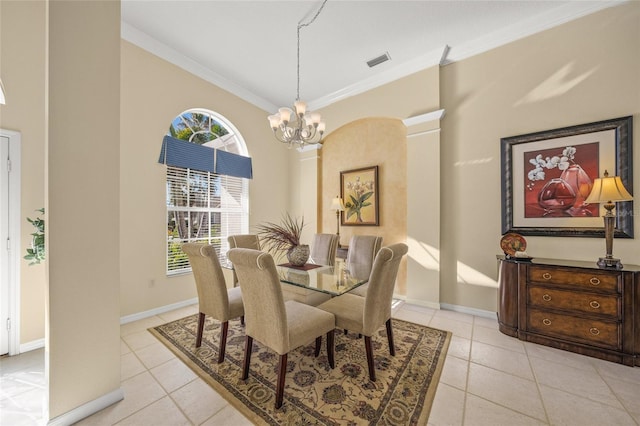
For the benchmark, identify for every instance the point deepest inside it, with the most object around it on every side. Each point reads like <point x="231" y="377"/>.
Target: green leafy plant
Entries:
<point x="36" y="254"/>
<point x="281" y="237"/>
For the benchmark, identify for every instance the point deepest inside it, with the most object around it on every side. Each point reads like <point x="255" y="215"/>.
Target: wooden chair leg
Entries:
<point x="200" y="330"/>
<point x="223" y="340"/>
<point x="330" y="346"/>
<point x="318" y="344"/>
<point x="242" y="320"/>
<point x="392" y="348"/>
<point x="247" y="357"/>
<point x="345" y="331"/>
<point x="282" y="371"/>
<point x="369" y="348"/>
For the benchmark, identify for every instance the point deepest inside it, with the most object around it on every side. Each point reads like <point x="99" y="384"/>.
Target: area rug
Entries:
<point x="314" y="393"/>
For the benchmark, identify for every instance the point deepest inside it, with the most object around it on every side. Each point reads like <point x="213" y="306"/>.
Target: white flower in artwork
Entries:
<point x="561" y="162"/>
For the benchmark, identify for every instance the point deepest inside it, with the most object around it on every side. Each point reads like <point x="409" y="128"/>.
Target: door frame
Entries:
<point x="14" y="235"/>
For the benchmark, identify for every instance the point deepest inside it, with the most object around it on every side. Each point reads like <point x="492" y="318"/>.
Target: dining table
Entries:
<point x="331" y="280"/>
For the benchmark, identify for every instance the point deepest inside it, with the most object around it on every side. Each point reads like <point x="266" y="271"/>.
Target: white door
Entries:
<point x="9" y="241"/>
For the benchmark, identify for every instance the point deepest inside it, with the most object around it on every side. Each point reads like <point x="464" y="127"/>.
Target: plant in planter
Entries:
<point x="285" y="237"/>
<point x="35" y="254"/>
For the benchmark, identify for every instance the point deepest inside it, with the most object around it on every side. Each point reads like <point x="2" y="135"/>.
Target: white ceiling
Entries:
<point x="249" y="47"/>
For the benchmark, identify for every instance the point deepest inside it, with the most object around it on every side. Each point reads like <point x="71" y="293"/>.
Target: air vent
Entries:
<point x="380" y="59"/>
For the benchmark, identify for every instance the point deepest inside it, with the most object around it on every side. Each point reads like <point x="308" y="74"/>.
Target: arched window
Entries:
<point x="204" y="206"/>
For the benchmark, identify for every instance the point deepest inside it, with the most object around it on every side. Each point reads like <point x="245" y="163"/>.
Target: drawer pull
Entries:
<point x="594" y="281"/>
<point x="594" y="331"/>
<point x="547" y="321"/>
<point x="594" y="304"/>
<point x="546" y="276"/>
<point x="546" y="297"/>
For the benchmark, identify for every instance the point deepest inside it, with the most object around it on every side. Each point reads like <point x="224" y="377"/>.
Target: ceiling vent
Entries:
<point x="380" y="59"/>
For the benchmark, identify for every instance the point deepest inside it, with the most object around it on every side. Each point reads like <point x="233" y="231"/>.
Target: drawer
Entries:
<point x="609" y="282"/>
<point x="591" y="331"/>
<point x="591" y="303"/>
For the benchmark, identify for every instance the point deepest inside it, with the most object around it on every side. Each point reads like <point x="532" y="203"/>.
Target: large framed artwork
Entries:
<point x="359" y="192"/>
<point x="548" y="175"/>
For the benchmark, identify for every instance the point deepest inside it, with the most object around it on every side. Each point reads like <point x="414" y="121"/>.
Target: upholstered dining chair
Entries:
<point x="250" y="241"/>
<point x="364" y="315"/>
<point x="360" y="257"/>
<point x="213" y="297"/>
<point x="323" y="249"/>
<point x="279" y="325"/>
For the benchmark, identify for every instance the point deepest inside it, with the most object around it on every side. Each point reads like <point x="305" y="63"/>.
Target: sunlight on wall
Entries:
<point x="473" y="162"/>
<point x="468" y="275"/>
<point x="427" y="256"/>
<point x="556" y="85"/>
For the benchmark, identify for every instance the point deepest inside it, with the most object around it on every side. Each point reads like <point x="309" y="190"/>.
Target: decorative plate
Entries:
<point x="511" y="243"/>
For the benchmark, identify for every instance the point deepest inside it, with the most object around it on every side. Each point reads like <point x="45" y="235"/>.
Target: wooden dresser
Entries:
<point x="572" y="305"/>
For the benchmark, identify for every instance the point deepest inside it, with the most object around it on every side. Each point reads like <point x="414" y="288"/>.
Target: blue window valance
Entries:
<point x="180" y="153"/>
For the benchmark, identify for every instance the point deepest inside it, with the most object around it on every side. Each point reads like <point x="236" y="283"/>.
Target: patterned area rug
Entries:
<point x="314" y="393"/>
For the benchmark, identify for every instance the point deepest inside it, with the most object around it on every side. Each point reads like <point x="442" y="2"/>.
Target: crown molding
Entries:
<point x="148" y="43"/>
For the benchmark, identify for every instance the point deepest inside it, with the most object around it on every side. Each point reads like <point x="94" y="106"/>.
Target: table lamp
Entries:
<point x="608" y="189"/>
<point x="338" y="206"/>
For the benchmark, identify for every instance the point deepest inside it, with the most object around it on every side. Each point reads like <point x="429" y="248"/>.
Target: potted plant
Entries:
<point x="35" y="254"/>
<point x="285" y="237"/>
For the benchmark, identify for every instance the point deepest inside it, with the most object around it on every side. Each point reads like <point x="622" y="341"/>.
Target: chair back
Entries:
<point x="377" y="303"/>
<point x="212" y="289"/>
<point x="249" y="241"/>
<point x="362" y="252"/>
<point x="265" y="315"/>
<point x="323" y="249"/>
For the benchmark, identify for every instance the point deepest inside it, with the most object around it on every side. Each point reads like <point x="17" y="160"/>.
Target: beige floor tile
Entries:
<point x="568" y="409"/>
<point x="179" y="313"/>
<point x="448" y="406"/>
<point x="173" y="374"/>
<point x="412" y="316"/>
<point x="124" y="348"/>
<point x="501" y="359"/>
<point x="198" y="401"/>
<point x="24" y="408"/>
<point x="617" y="371"/>
<point x="455" y="372"/>
<point x="154" y="355"/>
<point x="453" y="315"/>
<point x="140" y="325"/>
<point x="163" y="412"/>
<point x="506" y="390"/>
<point x="459" y="347"/>
<point x="458" y="328"/>
<point x="627" y="392"/>
<point x="574" y="380"/>
<point x="493" y="337"/>
<point x="485" y="322"/>
<point x="421" y="309"/>
<point x="139" y="340"/>
<point x="130" y="366"/>
<point x="228" y="416"/>
<point x="559" y="356"/>
<point x="480" y="412"/>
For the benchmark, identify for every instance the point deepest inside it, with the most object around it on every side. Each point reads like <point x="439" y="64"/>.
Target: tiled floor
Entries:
<point x="488" y="379"/>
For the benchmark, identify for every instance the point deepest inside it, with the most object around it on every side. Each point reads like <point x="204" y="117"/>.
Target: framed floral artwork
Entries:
<point x="359" y="192"/>
<point x="548" y="175"/>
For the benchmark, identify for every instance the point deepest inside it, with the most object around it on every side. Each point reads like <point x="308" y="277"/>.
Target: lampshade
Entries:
<point x="336" y="204"/>
<point x="608" y="189"/>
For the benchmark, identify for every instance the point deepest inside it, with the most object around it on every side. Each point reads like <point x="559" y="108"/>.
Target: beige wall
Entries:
<point x="22" y="69"/>
<point x="581" y="72"/>
<point x="154" y="92"/>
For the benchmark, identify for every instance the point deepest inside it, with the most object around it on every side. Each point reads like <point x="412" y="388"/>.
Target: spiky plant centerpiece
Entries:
<point x="285" y="237"/>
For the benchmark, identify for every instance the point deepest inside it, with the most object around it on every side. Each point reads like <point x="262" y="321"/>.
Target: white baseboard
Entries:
<point x="156" y="311"/>
<point x="468" y="310"/>
<point x="423" y="303"/>
<point x="32" y="345"/>
<point x="85" y="410"/>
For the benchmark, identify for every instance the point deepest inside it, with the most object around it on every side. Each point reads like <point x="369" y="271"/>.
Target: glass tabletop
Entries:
<point x="333" y="280"/>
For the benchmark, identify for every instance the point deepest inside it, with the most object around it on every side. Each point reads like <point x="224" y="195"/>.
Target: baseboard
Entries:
<point x="85" y="410"/>
<point x="156" y="311"/>
<point x="468" y="310"/>
<point x="423" y="303"/>
<point x="32" y="345"/>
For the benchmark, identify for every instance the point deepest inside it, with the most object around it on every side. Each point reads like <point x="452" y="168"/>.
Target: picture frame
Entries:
<point x="361" y="198"/>
<point x="535" y="167"/>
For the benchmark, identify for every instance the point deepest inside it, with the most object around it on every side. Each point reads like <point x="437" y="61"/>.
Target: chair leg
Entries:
<point x="330" y="346"/>
<point x="242" y="320"/>
<point x="369" y="348"/>
<point x="282" y="371"/>
<point x="345" y="331"/>
<point x="318" y="344"/>
<point x="223" y="340"/>
<point x="392" y="348"/>
<point x="247" y="357"/>
<point x="200" y="330"/>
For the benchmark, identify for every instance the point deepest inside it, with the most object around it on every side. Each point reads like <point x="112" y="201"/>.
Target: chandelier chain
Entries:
<point x="300" y="25"/>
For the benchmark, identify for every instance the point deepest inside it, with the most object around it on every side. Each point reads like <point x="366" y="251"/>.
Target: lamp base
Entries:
<point x="609" y="263"/>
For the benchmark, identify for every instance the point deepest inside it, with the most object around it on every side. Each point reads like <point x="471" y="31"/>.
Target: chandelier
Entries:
<point x="298" y="126"/>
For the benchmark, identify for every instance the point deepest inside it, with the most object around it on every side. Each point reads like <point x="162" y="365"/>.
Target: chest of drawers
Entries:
<point x="571" y="305"/>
